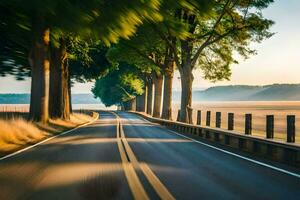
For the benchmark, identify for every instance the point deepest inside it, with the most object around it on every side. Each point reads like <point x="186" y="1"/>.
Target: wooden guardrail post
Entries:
<point x="178" y="115"/>
<point x="290" y="128"/>
<point x="248" y="124"/>
<point x="199" y="117"/>
<point x="230" y="121"/>
<point x="270" y="126"/>
<point x="218" y="119"/>
<point x="208" y="118"/>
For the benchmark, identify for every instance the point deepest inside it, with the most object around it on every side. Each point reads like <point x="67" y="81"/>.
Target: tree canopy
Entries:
<point x="122" y="42"/>
<point x="118" y="86"/>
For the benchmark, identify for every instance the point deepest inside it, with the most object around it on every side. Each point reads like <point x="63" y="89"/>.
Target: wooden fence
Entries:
<point x="269" y="119"/>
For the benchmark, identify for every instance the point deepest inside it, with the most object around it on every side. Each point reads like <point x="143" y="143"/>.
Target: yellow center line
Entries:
<point x="134" y="183"/>
<point x="158" y="186"/>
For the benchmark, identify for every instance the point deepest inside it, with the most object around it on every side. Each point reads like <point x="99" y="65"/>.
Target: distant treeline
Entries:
<point x="275" y="92"/>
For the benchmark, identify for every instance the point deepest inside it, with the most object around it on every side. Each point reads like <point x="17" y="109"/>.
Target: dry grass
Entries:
<point x="16" y="132"/>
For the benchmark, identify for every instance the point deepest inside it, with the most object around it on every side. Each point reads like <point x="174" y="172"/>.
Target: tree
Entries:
<point x="59" y="82"/>
<point x="213" y="38"/>
<point x="145" y="50"/>
<point x="168" y="30"/>
<point x="159" y="38"/>
<point x="149" y="85"/>
<point x="87" y="61"/>
<point x="82" y="61"/>
<point x="119" y="86"/>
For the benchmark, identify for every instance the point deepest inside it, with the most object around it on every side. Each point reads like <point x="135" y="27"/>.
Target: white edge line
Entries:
<point x="47" y="139"/>
<point x="233" y="154"/>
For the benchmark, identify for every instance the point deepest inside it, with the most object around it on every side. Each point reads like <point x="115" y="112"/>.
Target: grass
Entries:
<point x="16" y="132"/>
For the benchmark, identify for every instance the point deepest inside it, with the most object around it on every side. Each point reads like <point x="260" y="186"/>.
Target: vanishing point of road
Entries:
<point x="122" y="156"/>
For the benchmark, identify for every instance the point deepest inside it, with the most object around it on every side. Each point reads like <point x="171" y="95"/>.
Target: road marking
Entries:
<point x="228" y="152"/>
<point x="134" y="183"/>
<point x="47" y="139"/>
<point x="157" y="185"/>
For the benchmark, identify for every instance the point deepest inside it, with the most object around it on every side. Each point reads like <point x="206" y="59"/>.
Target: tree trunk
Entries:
<point x="168" y="83"/>
<point x="158" y="81"/>
<point x="126" y="106"/>
<point x="66" y="93"/>
<point x="70" y="92"/>
<point x="144" y="100"/>
<point x="39" y="74"/>
<point x="149" y="96"/>
<point x="187" y="78"/>
<point x="133" y="104"/>
<point x="186" y="93"/>
<point x="130" y="105"/>
<point x="141" y="102"/>
<point x="59" y="77"/>
<point x="167" y="101"/>
<point x="138" y="103"/>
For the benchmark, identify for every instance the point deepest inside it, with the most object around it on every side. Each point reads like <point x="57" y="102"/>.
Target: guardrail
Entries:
<point x="269" y="133"/>
<point x="285" y="152"/>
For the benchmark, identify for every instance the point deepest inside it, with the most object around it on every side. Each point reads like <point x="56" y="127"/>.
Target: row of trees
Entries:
<point x="204" y="34"/>
<point x="56" y="40"/>
<point x="127" y="45"/>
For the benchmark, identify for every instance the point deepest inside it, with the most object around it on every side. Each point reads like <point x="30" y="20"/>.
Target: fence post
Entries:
<point x="270" y="126"/>
<point x="178" y="115"/>
<point x="291" y="128"/>
<point x="248" y="124"/>
<point x="199" y="117"/>
<point x="218" y="119"/>
<point x="208" y="118"/>
<point x="230" y="121"/>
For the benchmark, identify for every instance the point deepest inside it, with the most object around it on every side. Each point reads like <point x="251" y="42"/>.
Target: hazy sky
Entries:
<point x="277" y="60"/>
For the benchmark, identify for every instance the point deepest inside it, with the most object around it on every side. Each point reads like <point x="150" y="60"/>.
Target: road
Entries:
<point x="122" y="156"/>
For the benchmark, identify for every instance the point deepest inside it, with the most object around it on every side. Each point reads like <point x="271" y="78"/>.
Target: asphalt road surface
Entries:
<point x="122" y="156"/>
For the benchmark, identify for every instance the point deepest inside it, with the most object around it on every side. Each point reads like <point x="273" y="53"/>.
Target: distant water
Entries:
<point x="25" y="107"/>
<point x="98" y="106"/>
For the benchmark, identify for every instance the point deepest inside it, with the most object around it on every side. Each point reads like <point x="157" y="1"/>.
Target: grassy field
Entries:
<point x="259" y="110"/>
<point x="16" y="132"/>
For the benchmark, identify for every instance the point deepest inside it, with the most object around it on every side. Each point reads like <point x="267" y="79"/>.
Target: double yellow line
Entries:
<point x="130" y="164"/>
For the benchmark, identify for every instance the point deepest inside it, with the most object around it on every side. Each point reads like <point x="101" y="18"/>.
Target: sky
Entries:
<point x="277" y="60"/>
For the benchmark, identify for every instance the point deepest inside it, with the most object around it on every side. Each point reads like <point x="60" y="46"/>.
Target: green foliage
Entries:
<point x="14" y="49"/>
<point x="226" y="30"/>
<point x="87" y="60"/>
<point x="97" y="19"/>
<point x="118" y="86"/>
<point x="146" y="50"/>
<point x="120" y="18"/>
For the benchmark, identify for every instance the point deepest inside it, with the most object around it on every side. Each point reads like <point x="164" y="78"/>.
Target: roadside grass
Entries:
<point x="16" y="132"/>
